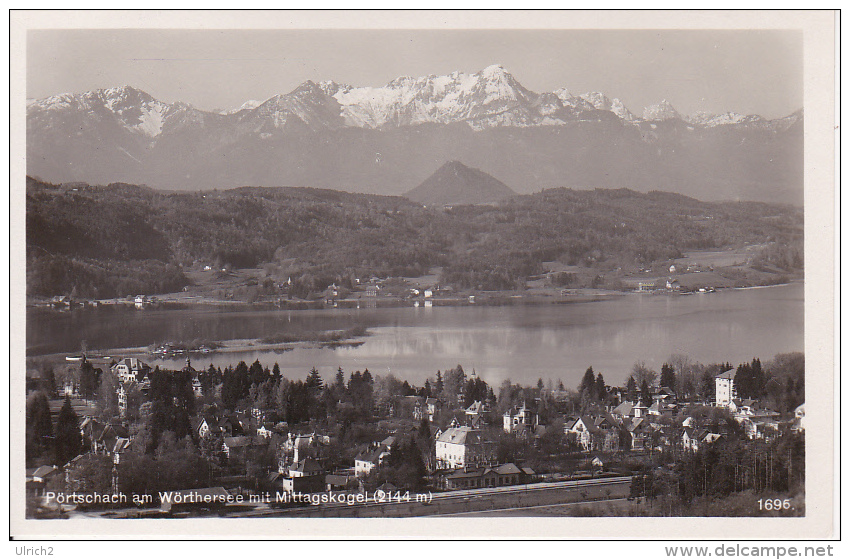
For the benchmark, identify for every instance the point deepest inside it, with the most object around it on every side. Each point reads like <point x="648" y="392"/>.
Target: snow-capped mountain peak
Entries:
<point x="563" y="93"/>
<point x="601" y="102"/>
<point x="124" y="92"/>
<point x="332" y="88"/>
<point x="705" y="119"/>
<point x="308" y="104"/>
<point x="620" y="109"/>
<point x="247" y="106"/>
<point x="136" y="109"/>
<point x="454" y="97"/>
<point x="661" y="112"/>
<point x="494" y="69"/>
<point x="574" y="102"/>
<point x="598" y="100"/>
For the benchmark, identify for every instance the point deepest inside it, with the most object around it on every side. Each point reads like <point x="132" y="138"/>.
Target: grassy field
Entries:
<point x="727" y="257"/>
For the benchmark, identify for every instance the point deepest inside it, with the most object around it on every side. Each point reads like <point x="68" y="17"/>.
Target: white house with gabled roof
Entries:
<point x="460" y="447"/>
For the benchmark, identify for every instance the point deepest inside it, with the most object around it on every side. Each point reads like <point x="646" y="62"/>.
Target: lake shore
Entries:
<point x="579" y="295"/>
<point x="225" y="347"/>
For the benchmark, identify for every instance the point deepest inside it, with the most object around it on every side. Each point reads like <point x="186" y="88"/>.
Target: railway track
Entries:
<point x="460" y="501"/>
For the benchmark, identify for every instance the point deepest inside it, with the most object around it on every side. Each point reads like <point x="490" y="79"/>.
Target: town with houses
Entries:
<point x="110" y="421"/>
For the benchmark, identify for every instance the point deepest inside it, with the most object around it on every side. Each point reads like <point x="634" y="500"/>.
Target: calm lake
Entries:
<point x="520" y="342"/>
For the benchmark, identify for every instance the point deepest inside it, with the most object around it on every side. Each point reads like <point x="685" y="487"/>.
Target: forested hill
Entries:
<point x="106" y="241"/>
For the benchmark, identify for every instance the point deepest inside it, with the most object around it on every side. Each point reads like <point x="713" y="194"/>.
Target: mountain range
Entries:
<point x="387" y="140"/>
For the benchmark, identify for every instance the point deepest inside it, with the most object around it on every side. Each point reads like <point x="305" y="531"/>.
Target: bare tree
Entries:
<point x="642" y="373"/>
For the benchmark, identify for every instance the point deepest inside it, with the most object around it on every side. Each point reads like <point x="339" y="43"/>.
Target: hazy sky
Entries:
<point x="716" y="71"/>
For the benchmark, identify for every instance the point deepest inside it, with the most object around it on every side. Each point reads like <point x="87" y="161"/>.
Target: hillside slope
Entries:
<point x="103" y="241"/>
<point x="454" y="183"/>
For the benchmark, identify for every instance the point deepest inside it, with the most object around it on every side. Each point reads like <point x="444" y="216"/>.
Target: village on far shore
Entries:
<point x="700" y="272"/>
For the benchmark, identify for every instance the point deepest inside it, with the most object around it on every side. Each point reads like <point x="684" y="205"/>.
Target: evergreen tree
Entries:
<point x="744" y="381"/>
<point x="668" y="376"/>
<point x="276" y="371"/>
<point x="135" y="399"/>
<point x="438" y="386"/>
<point x="265" y="394"/>
<point x="283" y="398"/>
<point x="601" y="391"/>
<point x="48" y="383"/>
<point x="207" y="380"/>
<point x="425" y="429"/>
<point x="588" y="383"/>
<point x="475" y="389"/>
<point x="360" y="393"/>
<point x="236" y="386"/>
<point x="161" y="418"/>
<point x="107" y="395"/>
<point x="314" y="388"/>
<point x="406" y="469"/>
<point x="631" y="389"/>
<point x="89" y="379"/>
<point x="256" y="375"/>
<point x="707" y="388"/>
<point x="39" y="427"/>
<point x="645" y="393"/>
<point x="406" y="389"/>
<point x="314" y="380"/>
<point x="340" y="378"/>
<point x="182" y="395"/>
<point x="454" y="382"/>
<point x="758" y="379"/>
<point x="68" y="438"/>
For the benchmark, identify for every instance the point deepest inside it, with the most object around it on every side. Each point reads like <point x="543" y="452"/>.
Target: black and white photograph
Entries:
<point x="527" y="273"/>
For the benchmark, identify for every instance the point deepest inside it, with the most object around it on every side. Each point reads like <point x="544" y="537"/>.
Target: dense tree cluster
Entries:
<point x="779" y="384"/>
<point x="750" y="380"/>
<point x="174" y="464"/>
<point x="49" y="274"/>
<point x="668" y="376"/>
<point x="405" y="467"/>
<point x="39" y="426"/>
<point x="69" y="441"/>
<point x="734" y="464"/>
<point x="172" y="405"/>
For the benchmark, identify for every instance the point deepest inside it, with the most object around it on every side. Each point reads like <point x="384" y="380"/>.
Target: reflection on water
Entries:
<point x="522" y="343"/>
